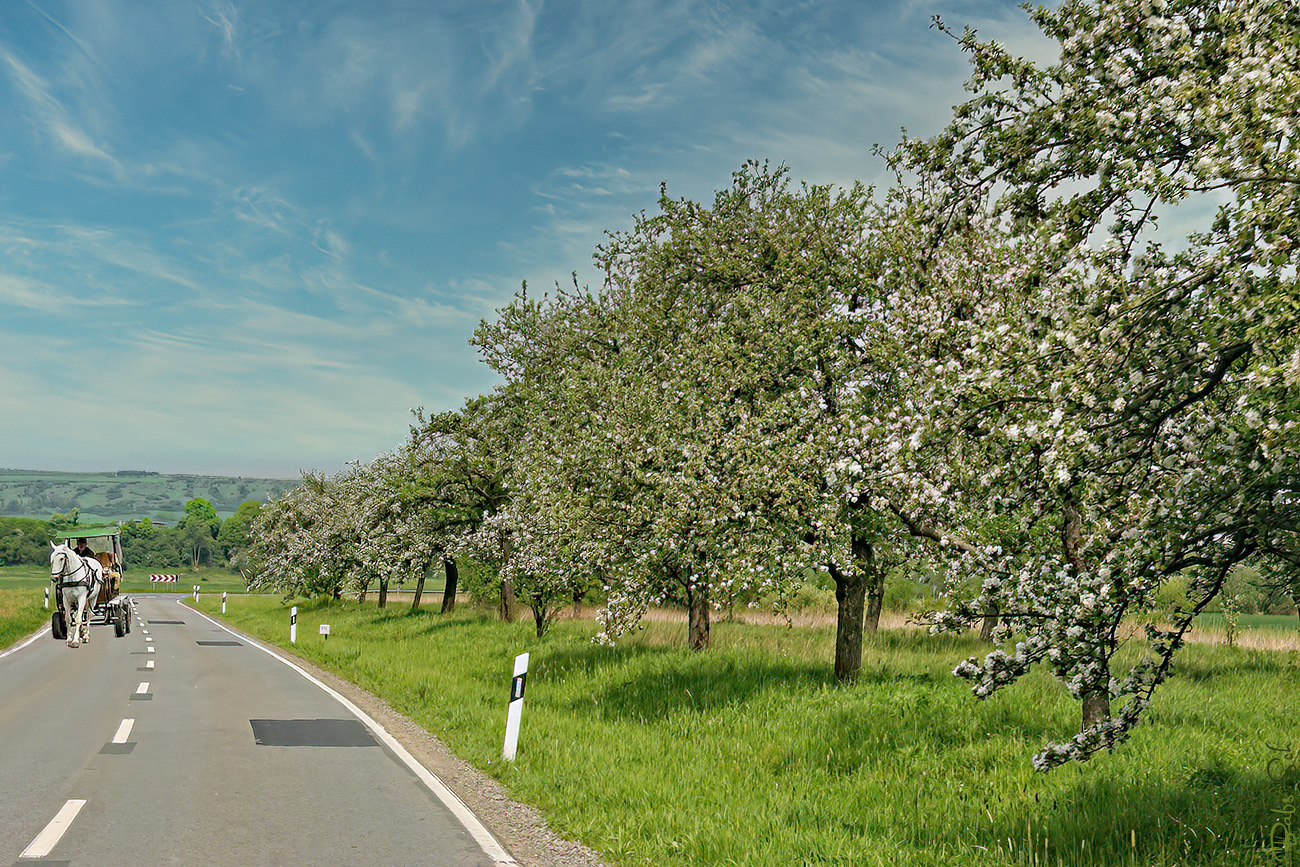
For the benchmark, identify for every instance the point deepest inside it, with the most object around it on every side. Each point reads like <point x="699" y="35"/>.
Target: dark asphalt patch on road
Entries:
<point x="311" y="733"/>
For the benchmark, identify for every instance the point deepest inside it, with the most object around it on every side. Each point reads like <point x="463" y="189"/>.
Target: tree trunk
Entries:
<point x="697" y="605"/>
<point x="383" y="592"/>
<point x="1096" y="707"/>
<point x="874" y="582"/>
<point x="1096" y="701"/>
<point x="449" y="590"/>
<point x="850" y="598"/>
<point x="577" y="602"/>
<point x="991" y="618"/>
<point x="419" y="587"/>
<point x="852" y="607"/>
<point x="539" y="616"/>
<point x="506" y="605"/>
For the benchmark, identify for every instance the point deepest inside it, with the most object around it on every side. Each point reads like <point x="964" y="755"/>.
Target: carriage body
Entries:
<point x="109" y="607"/>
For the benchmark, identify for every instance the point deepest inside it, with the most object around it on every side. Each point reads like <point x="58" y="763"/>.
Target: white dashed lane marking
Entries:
<point x="53" y="833"/>
<point x="123" y="731"/>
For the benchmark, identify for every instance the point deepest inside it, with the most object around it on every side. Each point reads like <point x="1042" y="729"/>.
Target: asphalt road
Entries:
<point x="230" y="757"/>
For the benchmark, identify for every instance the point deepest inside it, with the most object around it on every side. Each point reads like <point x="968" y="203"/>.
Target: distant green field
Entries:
<point x="1278" y="622"/>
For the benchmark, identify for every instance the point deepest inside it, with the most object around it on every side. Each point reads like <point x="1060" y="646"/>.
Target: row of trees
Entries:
<point x="24" y="540"/>
<point x="1003" y="365"/>
<point x="201" y="538"/>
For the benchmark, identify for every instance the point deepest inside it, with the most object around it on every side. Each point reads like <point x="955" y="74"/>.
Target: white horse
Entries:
<point x="78" y="579"/>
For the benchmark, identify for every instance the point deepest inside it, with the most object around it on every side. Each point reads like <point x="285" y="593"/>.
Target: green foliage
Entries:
<point x="1171" y="598"/>
<point x="232" y="538"/>
<point x="60" y="523"/>
<point x="904" y="591"/>
<point x="24" y="540"/>
<point x="1231" y="610"/>
<point x="147" y="544"/>
<point x="479" y="580"/>
<point x="200" y="509"/>
<point x="814" y="595"/>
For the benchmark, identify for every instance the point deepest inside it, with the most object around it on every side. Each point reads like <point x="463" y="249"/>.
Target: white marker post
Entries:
<point x="47" y="599"/>
<point x="196" y="593"/>
<point x="223" y="602"/>
<point x="325" y="630"/>
<point x="516" y="707"/>
<point x="293" y="625"/>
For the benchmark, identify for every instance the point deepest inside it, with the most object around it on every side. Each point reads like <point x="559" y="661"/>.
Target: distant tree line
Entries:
<point x="200" y="539"/>
<point x="24" y="540"/>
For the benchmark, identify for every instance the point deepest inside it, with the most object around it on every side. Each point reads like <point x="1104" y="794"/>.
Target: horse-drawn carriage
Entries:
<point x="96" y="575"/>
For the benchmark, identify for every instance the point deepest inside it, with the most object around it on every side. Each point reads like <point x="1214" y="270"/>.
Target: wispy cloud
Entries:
<point x="51" y="119"/>
<point x="287" y="218"/>
<point x="224" y="16"/>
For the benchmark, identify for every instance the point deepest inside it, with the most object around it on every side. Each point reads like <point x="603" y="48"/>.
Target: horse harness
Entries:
<point x="64" y="574"/>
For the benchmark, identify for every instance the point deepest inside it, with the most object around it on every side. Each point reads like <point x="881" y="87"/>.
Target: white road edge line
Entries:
<point x="123" y="731"/>
<point x="481" y="834"/>
<point x="53" y="833"/>
<point x="40" y="633"/>
<point x="143" y="688"/>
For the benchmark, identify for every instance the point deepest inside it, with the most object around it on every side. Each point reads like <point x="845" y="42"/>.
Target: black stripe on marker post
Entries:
<point x="517" y="686"/>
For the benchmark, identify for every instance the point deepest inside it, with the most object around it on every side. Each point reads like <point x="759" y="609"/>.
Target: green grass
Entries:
<point x="22" y="612"/>
<point x="749" y="754"/>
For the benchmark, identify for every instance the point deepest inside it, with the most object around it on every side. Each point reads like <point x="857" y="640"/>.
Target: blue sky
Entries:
<point x="247" y="236"/>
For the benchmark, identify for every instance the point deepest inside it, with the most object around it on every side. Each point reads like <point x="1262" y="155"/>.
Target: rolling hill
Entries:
<point x="127" y="495"/>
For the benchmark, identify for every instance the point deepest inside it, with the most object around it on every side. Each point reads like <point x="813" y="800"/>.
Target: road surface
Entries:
<point x="184" y="744"/>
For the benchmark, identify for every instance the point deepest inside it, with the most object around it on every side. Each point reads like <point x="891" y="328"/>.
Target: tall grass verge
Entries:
<point x="22" y="612"/>
<point x="749" y="754"/>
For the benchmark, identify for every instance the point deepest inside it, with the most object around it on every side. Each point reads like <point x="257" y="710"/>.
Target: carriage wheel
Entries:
<point x="119" y="621"/>
<point x="58" y="627"/>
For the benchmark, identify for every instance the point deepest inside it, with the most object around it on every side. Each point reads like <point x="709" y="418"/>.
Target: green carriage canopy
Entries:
<point x="100" y="538"/>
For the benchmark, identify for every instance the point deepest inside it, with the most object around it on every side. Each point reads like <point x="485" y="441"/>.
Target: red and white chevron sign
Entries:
<point x="171" y="578"/>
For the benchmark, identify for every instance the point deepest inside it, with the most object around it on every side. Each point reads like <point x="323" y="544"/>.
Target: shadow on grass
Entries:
<point x="1210" y="814"/>
<point x="653" y="683"/>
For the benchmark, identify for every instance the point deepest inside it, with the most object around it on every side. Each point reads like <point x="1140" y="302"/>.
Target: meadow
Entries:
<point x="750" y="754"/>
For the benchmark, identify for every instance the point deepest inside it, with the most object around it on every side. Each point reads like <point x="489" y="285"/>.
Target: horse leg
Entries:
<point x="70" y="618"/>
<point x="87" y="611"/>
<point x="74" y="631"/>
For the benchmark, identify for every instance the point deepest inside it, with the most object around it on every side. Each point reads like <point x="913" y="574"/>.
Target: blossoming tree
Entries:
<point x="1126" y="394"/>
